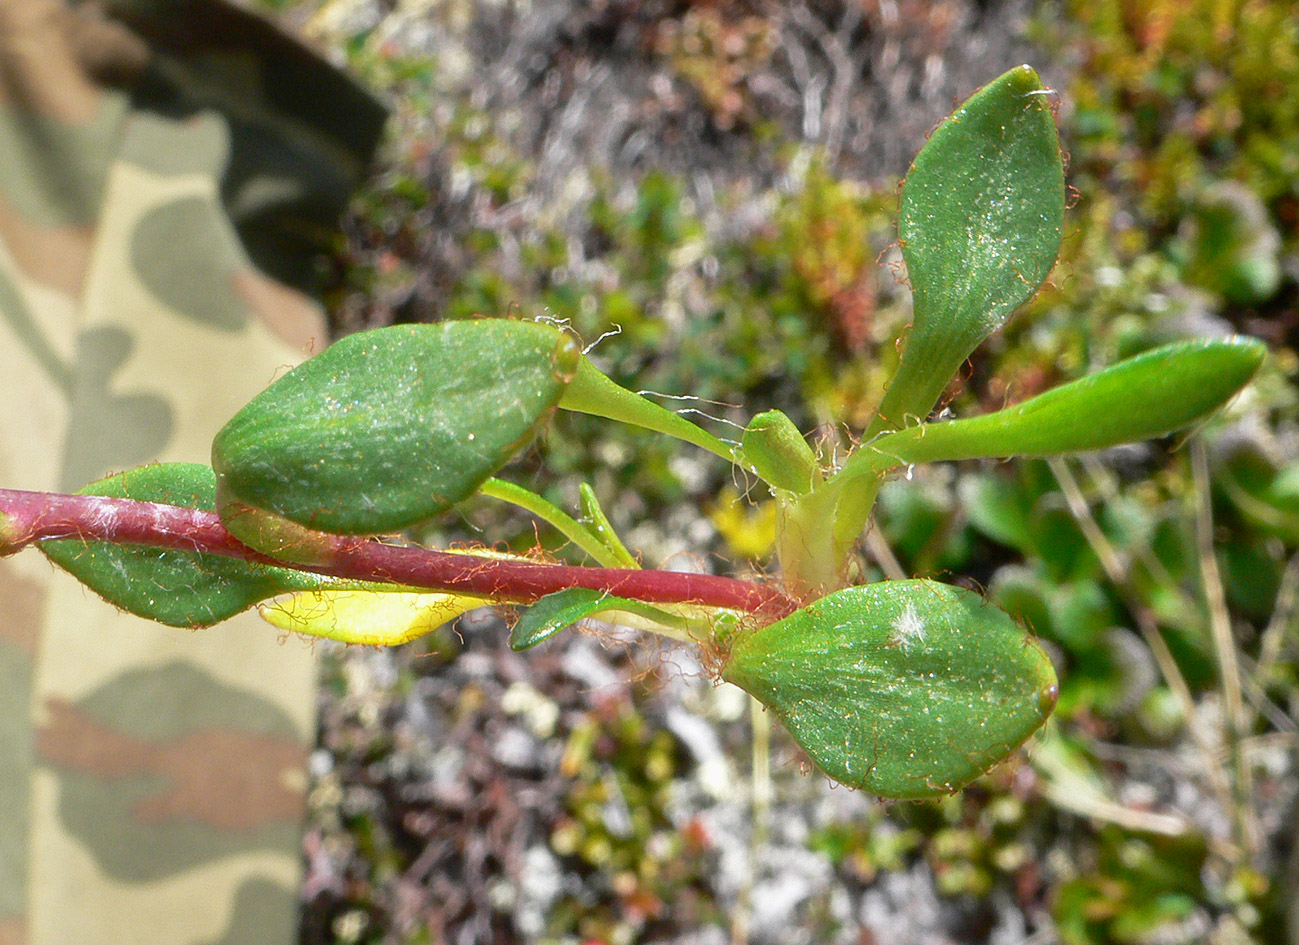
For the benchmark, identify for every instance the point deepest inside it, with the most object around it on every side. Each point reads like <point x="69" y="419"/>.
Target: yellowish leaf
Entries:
<point x="374" y="618"/>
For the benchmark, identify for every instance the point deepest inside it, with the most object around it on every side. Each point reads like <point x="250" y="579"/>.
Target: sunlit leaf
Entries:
<point x="907" y="689"/>
<point x="374" y="618"/>
<point x="387" y="428"/>
<point x="1149" y="395"/>
<point x="980" y="226"/>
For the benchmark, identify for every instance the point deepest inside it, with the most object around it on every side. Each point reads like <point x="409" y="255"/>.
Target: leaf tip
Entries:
<point x="1023" y="79"/>
<point x="1048" y="698"/>
<point x="1026" y="73"/>
<point x="567" y="356"/>
<point x="1234" y="360"/>
<point x="1252" y="350"/>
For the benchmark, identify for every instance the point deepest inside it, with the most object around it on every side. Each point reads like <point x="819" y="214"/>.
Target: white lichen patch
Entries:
<point x="908" y="628"/>
<point x="101" y="512"/>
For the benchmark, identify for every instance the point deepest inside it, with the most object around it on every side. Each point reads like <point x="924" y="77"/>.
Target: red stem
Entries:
<point x="35" y="516"/>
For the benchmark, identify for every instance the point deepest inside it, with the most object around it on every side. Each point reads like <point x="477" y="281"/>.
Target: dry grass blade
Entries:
<point x="1116" y="570"/>
<point x="1224" y="646"/>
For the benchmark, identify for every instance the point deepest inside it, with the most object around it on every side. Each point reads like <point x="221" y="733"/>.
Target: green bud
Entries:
<point x="775" y="450"/>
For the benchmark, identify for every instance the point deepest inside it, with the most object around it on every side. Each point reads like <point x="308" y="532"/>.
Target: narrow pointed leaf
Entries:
<point x="591" y="392"/>
<point x="178" y="588"/>
<point x="372" y="618"/>
<point x="907" y="689"/>
<point x="556" y="612"/>
<point x="980" y="226"/>
<point x="387" y="428"/>
<point x="575" y="531"/>
<point x="1149" y="395"/>
<point x="602" y="528"/>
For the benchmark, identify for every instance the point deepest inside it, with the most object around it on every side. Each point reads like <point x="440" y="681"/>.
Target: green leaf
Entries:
<point x="387" y="428"/>
<point x="907" y="689"/>
<point x="775" y="450"/>
<point x="591" y="392"/>
<point x="555" y="612"/>
<point x="602" y="528"/>
<point x="980" y="226"/>
<point x="178" y="588"/>
<point x="1149" y="395"/>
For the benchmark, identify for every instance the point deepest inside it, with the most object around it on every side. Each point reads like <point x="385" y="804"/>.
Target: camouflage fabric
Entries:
<point x="168" y="170"/>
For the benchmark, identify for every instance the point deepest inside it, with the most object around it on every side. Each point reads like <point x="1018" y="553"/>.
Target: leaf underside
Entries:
<point x="907" y="689"/>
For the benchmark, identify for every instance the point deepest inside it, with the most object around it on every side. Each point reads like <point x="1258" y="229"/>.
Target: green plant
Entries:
<point x="906" y="688"/>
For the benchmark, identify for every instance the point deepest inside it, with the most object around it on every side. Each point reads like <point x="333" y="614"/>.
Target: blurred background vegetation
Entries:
<point x="706" y="193"/>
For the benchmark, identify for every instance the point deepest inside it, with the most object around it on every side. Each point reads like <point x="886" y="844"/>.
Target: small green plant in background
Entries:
<point x="906" y="688"/>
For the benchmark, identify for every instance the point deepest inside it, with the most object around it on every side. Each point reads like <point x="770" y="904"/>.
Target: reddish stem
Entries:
<point x="35" y="516"/>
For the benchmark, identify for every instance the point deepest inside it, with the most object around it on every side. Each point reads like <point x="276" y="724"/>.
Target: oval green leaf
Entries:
<point x="177" y="588"/>
<point x="907" y="689"/>
<point x="1149" y="395"/>
<point x="980" y="226"/>
<point x="386" y="428"/>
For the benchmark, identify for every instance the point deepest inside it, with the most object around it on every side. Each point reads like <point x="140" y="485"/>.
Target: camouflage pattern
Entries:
<point x="168" y="170"/>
